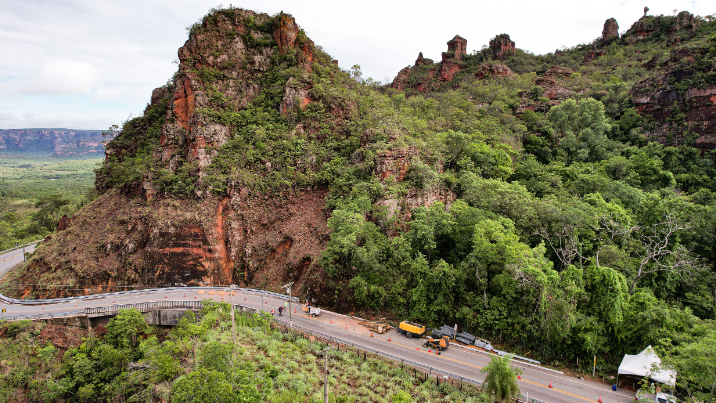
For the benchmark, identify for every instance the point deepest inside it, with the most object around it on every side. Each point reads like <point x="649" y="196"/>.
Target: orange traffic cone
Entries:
<point x="417" y="348"/>
<point x="165" y="296"/>
<point x="371" y="334"/>
<point x="195" y="297"/>
<point x="550" y="384"/>
<point x="430" y="351"/>
<point x="294" y="310"/>
<point x="184" y="295"/>
<point x="519" y="376"/>
<point x="388" y="338"/>
<point x="244" y="298"/>
<point x="600" y="399"/>
<point x="346" y="327"/>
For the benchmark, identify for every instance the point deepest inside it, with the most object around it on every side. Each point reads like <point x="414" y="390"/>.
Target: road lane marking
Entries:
<point x="557" y="390"/>
<point x="479" y="367"/>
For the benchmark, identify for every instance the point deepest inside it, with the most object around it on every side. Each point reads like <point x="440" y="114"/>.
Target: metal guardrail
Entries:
<point x="68" y="314"/>
<point x="142" y="307"/>
<point x="9" y="300"/>
<point x="396" y="358"/>
<point x="2" y="252"/>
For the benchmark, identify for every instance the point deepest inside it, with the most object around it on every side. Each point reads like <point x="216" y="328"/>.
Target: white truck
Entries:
<point x="313" y="311"/>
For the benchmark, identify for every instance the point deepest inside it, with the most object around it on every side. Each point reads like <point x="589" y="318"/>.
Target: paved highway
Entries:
<point x="459" y="360"/>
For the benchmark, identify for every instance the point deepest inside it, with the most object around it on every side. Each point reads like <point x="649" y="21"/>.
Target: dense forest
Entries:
<point x="529" y="198"/>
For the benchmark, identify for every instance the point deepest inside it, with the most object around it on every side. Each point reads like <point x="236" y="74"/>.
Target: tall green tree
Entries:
<point x="501" y="379"/>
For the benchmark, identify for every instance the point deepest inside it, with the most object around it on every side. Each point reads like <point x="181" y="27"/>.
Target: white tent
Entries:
<point x="641" y="364"/>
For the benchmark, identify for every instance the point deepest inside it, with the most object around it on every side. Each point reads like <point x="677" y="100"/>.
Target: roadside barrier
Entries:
<point x="9" y="300"/>
<point x="19" y="247"/>
<point x="402" y="361"/>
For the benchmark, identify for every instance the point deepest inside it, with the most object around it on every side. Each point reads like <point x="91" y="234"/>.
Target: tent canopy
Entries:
<point x="640" y="365"/>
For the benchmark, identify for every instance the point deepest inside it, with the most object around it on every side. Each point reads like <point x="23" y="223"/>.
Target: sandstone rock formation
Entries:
<point x="660" y="98"/>
<point x="610" y="31"/>
<point x="452" y="59"/>
<point x="493" y="70"/>
<point x="425" y="75"/>
<point x="502" y="46"/>
<point x="558" y="71"/>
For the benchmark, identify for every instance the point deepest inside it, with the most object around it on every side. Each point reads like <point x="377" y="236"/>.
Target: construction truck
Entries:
<point x="410" y="329"/>
<point x="439" y="345"/>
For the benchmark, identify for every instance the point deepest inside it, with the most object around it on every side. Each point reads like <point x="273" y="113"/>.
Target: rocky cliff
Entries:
<point x="223" y="179"/>
<point x="57" y="142"/>
<point x="235" y="170"/>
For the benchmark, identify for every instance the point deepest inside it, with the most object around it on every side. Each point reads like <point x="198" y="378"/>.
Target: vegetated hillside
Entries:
<point x="196" y="362"/>
<point x="560" y="204"/>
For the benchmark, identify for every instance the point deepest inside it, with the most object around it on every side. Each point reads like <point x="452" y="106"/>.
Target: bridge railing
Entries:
<point x="9" y="300"/>
<point x="108" y="310"/>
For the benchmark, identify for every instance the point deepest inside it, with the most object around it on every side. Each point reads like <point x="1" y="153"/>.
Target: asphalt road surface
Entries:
<point x="457" y="359"/>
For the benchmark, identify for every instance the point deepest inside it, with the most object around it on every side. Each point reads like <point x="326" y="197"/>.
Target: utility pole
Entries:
<point x="233" y="322"/>
<point x="290" y="316"/>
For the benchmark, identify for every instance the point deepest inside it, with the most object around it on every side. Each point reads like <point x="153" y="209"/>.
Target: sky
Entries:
<point x="89" y="64"/>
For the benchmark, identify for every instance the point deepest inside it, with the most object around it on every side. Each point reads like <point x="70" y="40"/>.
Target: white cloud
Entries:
<point x="57" y="77"/>
<point x="108" y="55"/>
<point x="66" y="77"/>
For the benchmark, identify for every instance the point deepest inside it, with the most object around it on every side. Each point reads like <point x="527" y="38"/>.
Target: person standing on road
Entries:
<point x="454" y="335"/>
<point x="271" y="311"/>
<point x="280" y="311"/>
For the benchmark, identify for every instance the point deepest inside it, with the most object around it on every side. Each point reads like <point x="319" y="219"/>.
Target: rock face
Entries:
<point x="665" y="95"/>
<point x="241" y="239"/>
<point x="592" y="55"/>
<point x="426" y="75"/>
<point x="610" y="31"/>
<point x="558" y="71"/>
<point x="677" y="29"/>
<point x="493" y="70"/>
<point x="452" y="59"/>
<point x="502" y="46"/>
<point x="57" y="142"/>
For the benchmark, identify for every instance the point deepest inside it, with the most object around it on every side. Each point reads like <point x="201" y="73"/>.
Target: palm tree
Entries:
<point x="501" y="379"/>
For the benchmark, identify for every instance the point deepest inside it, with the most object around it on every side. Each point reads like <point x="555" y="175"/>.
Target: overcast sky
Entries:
<point x="88" y="64"/>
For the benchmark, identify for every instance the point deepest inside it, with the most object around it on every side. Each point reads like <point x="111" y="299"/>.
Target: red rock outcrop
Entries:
<point x="400" y="82"/>
<point x="424" y="75"/>
<point x="285" y="31"/>
<point x="551" y="88"/>
<point x="678" y="28"/>
<point x="659" y="99"/>
<point x="183" y="101"/>
<point x="558" y="71"/>
<point x="610" y="31"/>
<point x="502" y="46"/>
<point x="64" y="222"/>
<point x="245" y="238"/>
<point x="493" y="70"/>
<point x="592" y="55"/>
<point x="394" y="163"/>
